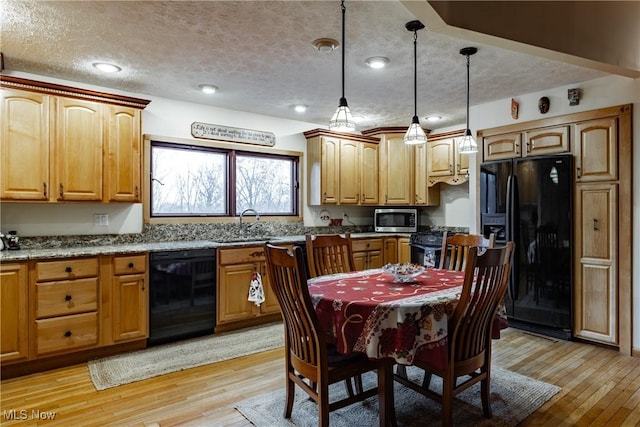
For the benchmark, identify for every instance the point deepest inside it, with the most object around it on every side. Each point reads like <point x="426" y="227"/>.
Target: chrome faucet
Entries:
<point x="246" y="211"/>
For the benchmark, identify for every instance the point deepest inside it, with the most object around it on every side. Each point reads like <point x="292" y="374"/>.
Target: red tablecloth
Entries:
<point x="366" y="311"/>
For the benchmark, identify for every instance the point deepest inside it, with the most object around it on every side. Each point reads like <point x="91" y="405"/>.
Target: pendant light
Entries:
<point x="415" y="134"/>
<point x="342" y="119"/>
<point x="467" y="143"/>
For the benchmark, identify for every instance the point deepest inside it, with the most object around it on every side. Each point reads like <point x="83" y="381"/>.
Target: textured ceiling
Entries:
<point x="260" y="55"/>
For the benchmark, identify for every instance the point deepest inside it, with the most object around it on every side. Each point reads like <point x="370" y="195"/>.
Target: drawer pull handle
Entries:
<point x="68" y="297"/>
<point x="67" y="334"/>
<point x="131" y="265"/>
<point x="68" y="270"/>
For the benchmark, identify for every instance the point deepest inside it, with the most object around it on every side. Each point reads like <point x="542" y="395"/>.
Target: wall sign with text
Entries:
<point x="227" y="133"/>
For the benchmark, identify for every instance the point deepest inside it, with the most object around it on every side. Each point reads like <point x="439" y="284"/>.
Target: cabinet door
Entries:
<point x="13" y="314"/>
<point x="441" y="160"/>
<point x="130" y="312"/>
<point x="396" y="161"/>
<point x="123" y="160"/>
<point x="360" y="260"/>
<point x="596" y="150"/>
<point x="596" y="316"/>
<point x="539" y="142"/>
<point x="78" y="150"/>
<point x="349" y="173"/>
<point x="329" y="170"/>
<point x="404" y="250"/>
<point x="375" y="259"/>
<point x="505" y="146"/>
<point x="270" y="304"/>
<point x="233" y="291"/>
<point x="390" y="254"/>
<point x="369" y="174"/>
<point x="425" y="194"/>
<point x="24" y="145"/>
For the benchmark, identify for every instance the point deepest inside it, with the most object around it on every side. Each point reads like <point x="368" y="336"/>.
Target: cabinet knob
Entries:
<point x="131" y="265"/>
<point x="578" y="172"/>
<point x="44" y="186"/>
<point x="68" y="270"/>
<point x="68" y="334"/>
<point x="68" y="297"/>
<point x="61" y="191"/>
<point x="595" y="224"/>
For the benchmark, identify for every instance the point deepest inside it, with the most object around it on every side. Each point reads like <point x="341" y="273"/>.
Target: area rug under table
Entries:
<point x="139" y="365"/>
<point x="513" y="398"/>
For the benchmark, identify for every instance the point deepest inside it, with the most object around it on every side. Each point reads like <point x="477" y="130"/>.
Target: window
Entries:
<point x="189" y="180"/>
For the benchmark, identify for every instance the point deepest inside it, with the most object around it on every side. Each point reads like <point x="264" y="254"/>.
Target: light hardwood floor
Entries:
<point x="599" y="388"/>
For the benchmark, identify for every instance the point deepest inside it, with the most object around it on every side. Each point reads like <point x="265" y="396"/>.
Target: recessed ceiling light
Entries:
<point x="208" y="89"/>
<point x="358" y="119"/>
<point x="325" y="44"/>
<point x="106" y="67"/>
<point x="433" y="118"/>
<point x="377" y="61"/>
<point x="300" y="108"/>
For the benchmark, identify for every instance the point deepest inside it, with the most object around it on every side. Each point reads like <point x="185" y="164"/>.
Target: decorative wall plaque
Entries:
<point x="228" y="133"/>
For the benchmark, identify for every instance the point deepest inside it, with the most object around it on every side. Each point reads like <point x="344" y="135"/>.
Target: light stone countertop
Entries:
<point x="121" y="249"/>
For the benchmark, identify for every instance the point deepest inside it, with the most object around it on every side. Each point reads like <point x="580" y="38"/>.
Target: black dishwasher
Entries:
<point x="182" y="294"/>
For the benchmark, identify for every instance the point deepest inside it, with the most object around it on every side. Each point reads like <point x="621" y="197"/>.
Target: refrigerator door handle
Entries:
<point x="510" y="227"/>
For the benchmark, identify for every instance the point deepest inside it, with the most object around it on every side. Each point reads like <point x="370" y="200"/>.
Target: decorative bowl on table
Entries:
<point x="403" y="273"/>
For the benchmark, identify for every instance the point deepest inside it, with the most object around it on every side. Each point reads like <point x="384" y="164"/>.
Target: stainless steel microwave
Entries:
<point x="396" y="220"/>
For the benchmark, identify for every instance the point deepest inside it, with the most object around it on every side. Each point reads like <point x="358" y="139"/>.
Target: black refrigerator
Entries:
<point x="529" y="201"/>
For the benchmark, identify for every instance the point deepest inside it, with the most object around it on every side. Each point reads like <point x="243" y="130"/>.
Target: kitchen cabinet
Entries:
<point x="65" y="305"/>
<point x="236" y="267"/>
<point x="425" y="194"/>
<point x="14" y="312"/>
<point x="404" y="250"/>
<point x="342" y="168"/>
<point x="62" y="144"/>
<point x="396" y="170"/>
<point x="445" y="163"/>
<point x="596" y="150"/>
<point x="368" y="253"/>
<point x="125" y="308"/>
<point x="537" y="142"/>
<point x="596" y="273"/>
<point x="390" y="251"/>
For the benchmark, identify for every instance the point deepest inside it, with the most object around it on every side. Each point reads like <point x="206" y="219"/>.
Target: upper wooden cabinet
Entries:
<point x="425" y="194"/>
<point x="61" y="144"/>
<point x="445" y="164"/>
<point x="534" y="142"/>
<point x="596" y="150"/>
<point x="342" y="168"/>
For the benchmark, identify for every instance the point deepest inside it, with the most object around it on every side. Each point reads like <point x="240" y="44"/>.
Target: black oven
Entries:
<point x="182" y="294"/>
<point x="426" y="248"/>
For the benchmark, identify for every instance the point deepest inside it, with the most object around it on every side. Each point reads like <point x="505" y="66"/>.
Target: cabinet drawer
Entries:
<point x="66" y="269"/>
<point x="66" y="332"/>
<point x="366" y="245"/>
<point x="241" y="255"/>
<point x="66" y="297"/>
<point x="130" y="264"/>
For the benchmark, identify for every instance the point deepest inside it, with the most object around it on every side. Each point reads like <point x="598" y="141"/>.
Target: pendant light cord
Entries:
<point x="415" y="73"/>
<point x="343" y="48"/>
<point x="467" y="95"/>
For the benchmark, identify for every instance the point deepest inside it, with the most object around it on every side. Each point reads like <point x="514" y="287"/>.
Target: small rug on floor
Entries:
<point x="125" y="368"/>
<point x="513" y="398"/>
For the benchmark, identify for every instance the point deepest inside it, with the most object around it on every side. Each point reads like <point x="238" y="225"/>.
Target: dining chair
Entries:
<point x="455" y="249"/>
<point x="311" y="364"/>
<point x="469" y="331"/>
<point x="329" y="254"/>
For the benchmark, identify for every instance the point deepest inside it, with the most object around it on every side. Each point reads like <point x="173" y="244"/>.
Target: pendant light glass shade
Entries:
<point x="467" y="144"/>
<point x="342" y="120"/>
<point x="415" y="134"/>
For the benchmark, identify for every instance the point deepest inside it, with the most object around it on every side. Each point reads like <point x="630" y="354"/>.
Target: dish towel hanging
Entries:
<point x="256" y="292"/>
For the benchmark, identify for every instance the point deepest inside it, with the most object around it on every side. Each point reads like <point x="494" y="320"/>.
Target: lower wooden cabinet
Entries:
<point x="368" y="253"/>
<point x="14" y="313"/>
<point x="390" y="253"/>
<point x="404" y="250"/>
<point x="236" y="268"/>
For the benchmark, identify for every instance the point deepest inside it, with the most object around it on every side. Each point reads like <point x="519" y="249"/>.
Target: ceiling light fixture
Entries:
<point x="342" y="120"/>
<point x="433" y="118"/>
<point x="325" y="44"/>
<point x="467" y="143"/>
<point x="106" y="67"/>
<point x="415" y="134"/>
<point x="208" y="89"/>
<point x="377" y="62"/>
<point x="300" y="108"/>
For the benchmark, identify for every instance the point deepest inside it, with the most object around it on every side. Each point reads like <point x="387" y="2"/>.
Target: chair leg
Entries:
<point x="290" y="394"/>
<point x="485" y="389"/>
<point x="426" y="380"/>
<point x="447" y="401"/>
<point x="323" y="406"/>
<point x="401" y="371"/>
<point x="358" y="380"/>
<point x="347" y="384"/>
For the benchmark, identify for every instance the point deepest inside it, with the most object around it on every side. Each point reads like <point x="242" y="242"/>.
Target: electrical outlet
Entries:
<point x="101" y="220"/>
<point x="344" y="215"/>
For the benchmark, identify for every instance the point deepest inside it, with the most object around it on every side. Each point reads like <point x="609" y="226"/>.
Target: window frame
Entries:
<point x="231" y="149"/>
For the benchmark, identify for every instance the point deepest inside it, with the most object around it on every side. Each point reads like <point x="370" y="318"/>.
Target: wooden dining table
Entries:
<point x="366" y="311"/>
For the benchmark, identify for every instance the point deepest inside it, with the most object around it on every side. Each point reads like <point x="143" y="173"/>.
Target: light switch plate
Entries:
<point x="101" y="220"/>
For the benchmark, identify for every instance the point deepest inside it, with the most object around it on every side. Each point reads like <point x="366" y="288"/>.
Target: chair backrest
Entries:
<point x="288" y="279"/>
<point x="455" y="249"/>
<point x="485" y="283"/>
<point x="329" y="254"/>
